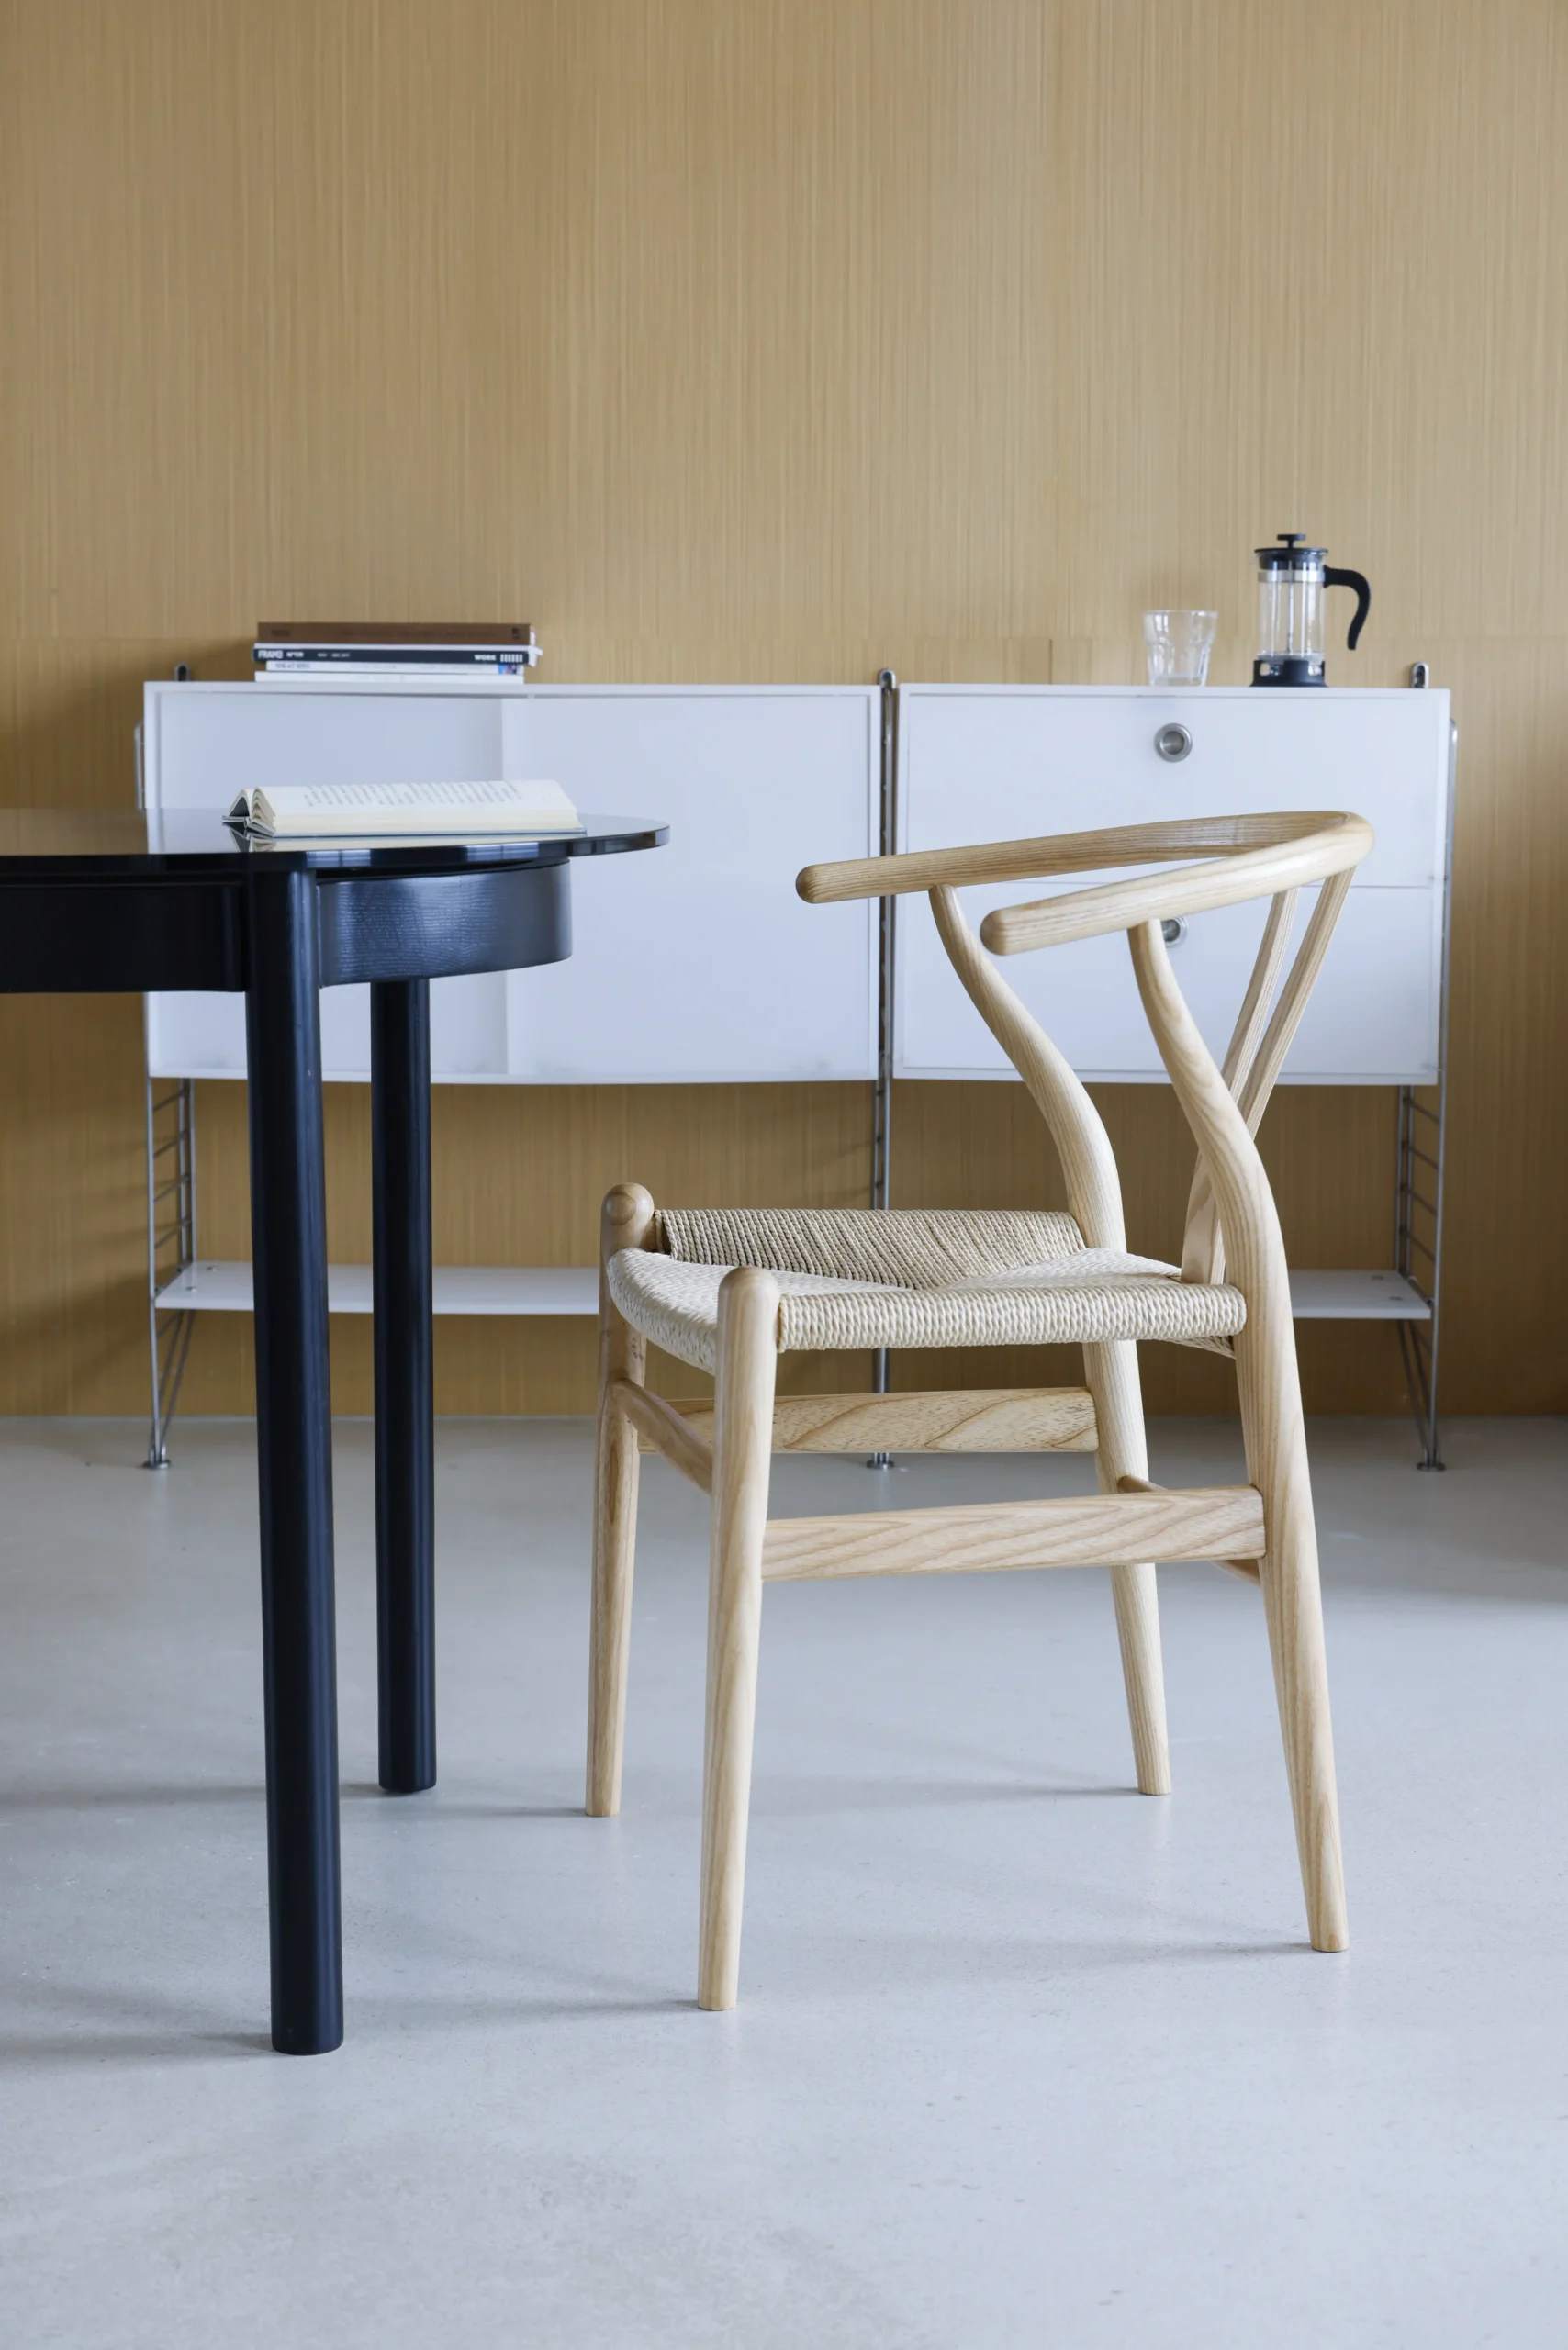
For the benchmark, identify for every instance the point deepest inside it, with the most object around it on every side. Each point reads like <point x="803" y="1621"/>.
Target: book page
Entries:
<point x="491" y="806"/>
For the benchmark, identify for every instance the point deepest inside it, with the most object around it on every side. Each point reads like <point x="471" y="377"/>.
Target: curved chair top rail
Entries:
<point x="1244" y="856"/>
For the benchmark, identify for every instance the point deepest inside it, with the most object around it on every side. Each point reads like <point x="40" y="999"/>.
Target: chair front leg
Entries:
<point x="1111" y="1374"/>
<point x="1275" y="1435"/>
<point x="623" y="1354"/>
<point x="743" y="1452"/>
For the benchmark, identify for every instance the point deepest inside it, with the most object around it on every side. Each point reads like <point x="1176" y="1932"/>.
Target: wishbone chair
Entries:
<point x="728" y="1289"/>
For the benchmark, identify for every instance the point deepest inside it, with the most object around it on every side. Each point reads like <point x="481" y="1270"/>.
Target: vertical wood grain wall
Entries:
<point x="785" y="339"/>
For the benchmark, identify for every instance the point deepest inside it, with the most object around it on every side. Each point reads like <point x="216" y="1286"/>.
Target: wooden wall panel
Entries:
<point x="783" y="339"/>
<point x="1311" y="257"/>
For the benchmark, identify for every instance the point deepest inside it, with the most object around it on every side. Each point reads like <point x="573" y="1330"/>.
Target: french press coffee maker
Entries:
<point x="1291" y="581"/>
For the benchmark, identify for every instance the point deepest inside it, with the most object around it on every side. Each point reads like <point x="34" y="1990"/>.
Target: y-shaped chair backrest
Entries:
<point x="1243" y="858"/>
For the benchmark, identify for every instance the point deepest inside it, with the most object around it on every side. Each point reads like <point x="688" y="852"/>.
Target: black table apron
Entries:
<point x="106" y="902"/>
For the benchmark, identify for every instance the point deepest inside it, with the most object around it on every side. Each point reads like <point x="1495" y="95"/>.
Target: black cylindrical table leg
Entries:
<point x="405" y="1403"/>
<point x="294" y="1438"/>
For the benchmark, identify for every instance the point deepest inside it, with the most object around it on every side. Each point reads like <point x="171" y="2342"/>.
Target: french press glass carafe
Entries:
<point x="1291" y="581"/>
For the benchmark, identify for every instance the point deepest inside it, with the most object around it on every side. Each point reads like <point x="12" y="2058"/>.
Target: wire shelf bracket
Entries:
<point x="171" y="1246"/>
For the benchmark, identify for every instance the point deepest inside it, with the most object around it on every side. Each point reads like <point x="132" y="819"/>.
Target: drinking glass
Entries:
<point x="1179" y="644"/>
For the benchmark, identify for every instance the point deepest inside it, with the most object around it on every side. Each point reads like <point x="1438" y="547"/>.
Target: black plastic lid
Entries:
<point x="1293" y="554"/>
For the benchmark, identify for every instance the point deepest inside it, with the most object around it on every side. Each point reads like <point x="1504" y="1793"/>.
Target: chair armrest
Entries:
<point x="1026" y="860"/>
<point x="1303" y="849"/>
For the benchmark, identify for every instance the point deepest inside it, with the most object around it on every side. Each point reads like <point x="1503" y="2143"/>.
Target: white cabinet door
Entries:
<point x="1002" y="762"/>
<point x="697" y="961"/>
<point x="994" y="762"/>
<point x="1085" y="998"/>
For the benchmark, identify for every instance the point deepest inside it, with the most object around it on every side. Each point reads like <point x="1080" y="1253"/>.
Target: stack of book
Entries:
<point x="431" y="650"/>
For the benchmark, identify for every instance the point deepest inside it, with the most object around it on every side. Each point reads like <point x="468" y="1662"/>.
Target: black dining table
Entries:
<point x="103" y="900"/>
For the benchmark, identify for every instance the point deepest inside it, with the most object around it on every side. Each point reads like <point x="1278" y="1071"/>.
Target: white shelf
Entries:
<point x="1356" y="1297"/>
<point x="224" y="1287"/>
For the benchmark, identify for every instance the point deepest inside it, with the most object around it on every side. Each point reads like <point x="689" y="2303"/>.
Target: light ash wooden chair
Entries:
<point x="727" y="1290"/>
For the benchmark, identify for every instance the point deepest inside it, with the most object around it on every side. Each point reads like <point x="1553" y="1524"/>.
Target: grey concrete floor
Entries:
<point x="1022" y="2058"/>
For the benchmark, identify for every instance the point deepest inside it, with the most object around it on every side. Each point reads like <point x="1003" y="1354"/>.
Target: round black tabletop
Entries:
<point x="106" y="901"/>
<point x="195" y="844"/>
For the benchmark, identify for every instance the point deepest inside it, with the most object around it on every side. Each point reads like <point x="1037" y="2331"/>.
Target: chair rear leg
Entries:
<point x="1111" y="1375"/>
<point x="743" y="1449"/>
<point x="1276" y="1460"/>
<point x="622" y="1353"/>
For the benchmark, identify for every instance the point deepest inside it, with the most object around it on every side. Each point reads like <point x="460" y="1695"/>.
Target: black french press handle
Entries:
<point x="1333" y="578"/>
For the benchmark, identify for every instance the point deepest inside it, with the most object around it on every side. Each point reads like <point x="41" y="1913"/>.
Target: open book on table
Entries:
<point x="467" y="811"/>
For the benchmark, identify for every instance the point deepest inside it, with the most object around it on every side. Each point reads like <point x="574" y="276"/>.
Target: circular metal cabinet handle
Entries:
<point x="1172" y="743"/>
<point x="1173" y="929"/>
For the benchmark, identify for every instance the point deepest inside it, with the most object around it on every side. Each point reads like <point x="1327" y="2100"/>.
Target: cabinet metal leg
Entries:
<point x="882" y="1092"/>
<point x="404" y="1449"/>
<point x="171" y="1246"/>
<point x="1418" y="1255"/>
<point x="294" y="1436"/>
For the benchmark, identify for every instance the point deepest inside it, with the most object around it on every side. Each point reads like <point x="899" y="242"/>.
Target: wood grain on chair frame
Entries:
<point x="972" y="1419"/>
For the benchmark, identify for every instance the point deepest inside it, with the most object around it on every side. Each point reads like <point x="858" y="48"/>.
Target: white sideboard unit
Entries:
<point x="735" y="979"/>
<point x="978" y="763"/>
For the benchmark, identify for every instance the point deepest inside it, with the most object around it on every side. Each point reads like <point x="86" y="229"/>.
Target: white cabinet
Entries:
<point x="1002" y="763"/>
<point x="694" y="962"/>
<point x="698" y="962"/>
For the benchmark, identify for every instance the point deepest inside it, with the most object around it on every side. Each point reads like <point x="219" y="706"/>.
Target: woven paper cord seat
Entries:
<point x="854" y="1278"/>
